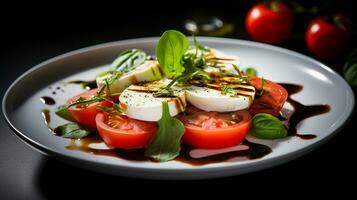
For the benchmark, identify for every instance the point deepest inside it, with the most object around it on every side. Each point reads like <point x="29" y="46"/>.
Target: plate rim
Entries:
<point x="267" y="162"/>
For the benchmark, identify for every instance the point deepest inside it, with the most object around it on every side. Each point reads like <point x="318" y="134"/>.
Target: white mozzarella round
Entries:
<point x="208" y="99"/>
<point x="226" y="62"/>
<point x="138" y="102"/>
<point x="148" y="71"/>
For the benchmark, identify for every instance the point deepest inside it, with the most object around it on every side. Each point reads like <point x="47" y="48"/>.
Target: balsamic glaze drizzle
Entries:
<point x="254" y="150"/>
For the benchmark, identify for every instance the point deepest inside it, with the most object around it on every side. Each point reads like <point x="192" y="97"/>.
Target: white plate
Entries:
<point x="22" y="108"/>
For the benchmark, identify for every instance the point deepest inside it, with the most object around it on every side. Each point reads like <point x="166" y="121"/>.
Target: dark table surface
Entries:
<point x="27" y="174"/>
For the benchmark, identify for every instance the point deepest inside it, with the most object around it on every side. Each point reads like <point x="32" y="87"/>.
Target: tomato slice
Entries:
<point x="272" y="99"/>
<point x="85" y="114"/>
<point x="123" y="132"/>
<point x="213" y="130"/>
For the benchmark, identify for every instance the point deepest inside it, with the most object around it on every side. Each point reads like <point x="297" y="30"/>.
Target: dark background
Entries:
<point x="31" y="35"/>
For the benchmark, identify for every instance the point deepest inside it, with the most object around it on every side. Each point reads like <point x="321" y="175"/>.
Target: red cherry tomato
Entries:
<point x="329" y="39"/>
<point x="272" y="99"/>
<point x="213" y="130"/>
<point x="85" y="114"/>
<point x="272" y="24"/>
<point x="123" y="132"/>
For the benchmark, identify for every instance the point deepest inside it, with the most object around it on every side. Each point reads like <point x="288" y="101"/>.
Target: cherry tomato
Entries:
<point x="271" y="24"/>
<point x="329" y="39"/>
<point x="213" y="130"/>
<point x="272" y="99"/>
<point x="85" y="114"/>
<point x="123" y="132"/>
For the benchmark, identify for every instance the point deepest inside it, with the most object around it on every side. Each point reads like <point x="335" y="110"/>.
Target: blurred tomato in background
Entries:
<point x="329" y="37"/>
<point x="271" y="22"/>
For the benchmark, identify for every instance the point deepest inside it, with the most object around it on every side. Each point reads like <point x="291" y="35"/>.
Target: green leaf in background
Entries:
<point x="351" y="74"/>
<point x="250" y="71"/>
<point x="266" y="126"/>
<point x="166" y="143"/>
<point x="63" y="112"/>
<point x="350" y="68"/>
<point x="128" y="60"/>
<point x="72" y="130"/>
<point x="169" y="51"/>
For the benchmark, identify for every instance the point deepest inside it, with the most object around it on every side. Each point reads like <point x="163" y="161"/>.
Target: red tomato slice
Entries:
<point x="272" y="99"/>
<point x="213" y="130"/>
<point x="85" y="115"/>
<point x="123" y="132"/>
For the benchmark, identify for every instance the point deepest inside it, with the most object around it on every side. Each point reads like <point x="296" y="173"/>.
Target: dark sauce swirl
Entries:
<point x="301" y="111"/>
<point x="254" y="151"/>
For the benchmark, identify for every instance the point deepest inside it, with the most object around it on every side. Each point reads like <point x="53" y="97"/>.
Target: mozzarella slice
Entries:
<point x="148" y="71"/>
<point x="211" y="98"/>
<point x="137" y="101"/>
<point x="224" y="62"/>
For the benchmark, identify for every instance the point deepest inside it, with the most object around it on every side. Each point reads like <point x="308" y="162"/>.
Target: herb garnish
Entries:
<point x="76" y="131"/>
<point x="228" y="90"/>
<point x="103" y="94"/>
<point x="350" y="68"/>
<point x="128" y="60"/>
<point x="266" y="126"/>
<point x="178" y="61"/>
<point x="63" y="112"/>
<point x="72" y="130"/>
<point x="165" y="145"/>
<point x="250" y="71"/>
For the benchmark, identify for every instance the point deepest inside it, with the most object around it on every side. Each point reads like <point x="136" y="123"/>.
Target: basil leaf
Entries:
<point x="72" y="130"/>
<point x="350" y="68"/>
<point x="351" y="74"/>
<point x="352" y="58"/>
<point x="63" y="112"/>
<point x="169" y="51"/>
<point x="165" y="145"/>
<point x="128" y="60"/>
<point x="105" y="109"/>
<point x="250" y="71"/>
<point x="266" y="126"/>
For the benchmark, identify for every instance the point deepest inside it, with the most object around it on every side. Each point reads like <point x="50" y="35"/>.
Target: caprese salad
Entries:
<point x="186" y="93"/>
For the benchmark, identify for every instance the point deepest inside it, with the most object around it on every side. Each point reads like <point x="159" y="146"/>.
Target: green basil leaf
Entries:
<point x="266" y="126"/>
<point x="350" y="68"/>
<point x="166" y="143"/>
<point x="72" y="130"/>
<point x="352" y="58"/>
<point x="128" y="60"/>
<point x="250" y="71"/>
<point x="105" y="109"/>
<point x="169" y="51"/>
<point x="63" y="112"/>
<point x="351" y="74"/>
<point x="102" y="74"/>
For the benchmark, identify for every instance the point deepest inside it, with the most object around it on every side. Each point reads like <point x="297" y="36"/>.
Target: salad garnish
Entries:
<point x="63" y="112"/>
<point x="194" y="95"/>
<point x="73" y="130"/>
<point x="266" y="126"/>
<point x="166" y="143"/>
<point x="178" y="61"/>
<point x="251" y="71"/>
<point x="128" y="60"/>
